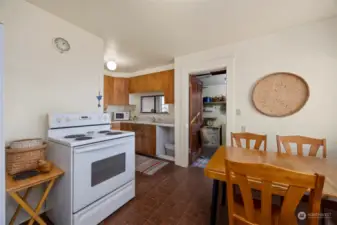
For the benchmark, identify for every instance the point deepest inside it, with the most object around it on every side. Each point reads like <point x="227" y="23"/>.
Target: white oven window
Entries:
<point x="106" y="169"/>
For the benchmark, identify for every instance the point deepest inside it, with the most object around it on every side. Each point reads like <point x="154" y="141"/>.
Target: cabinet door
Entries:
<point x="168" y="86"/>
<point x="116" y="91"/>
<point x="115" y="126"/>
<point x="149" y="139"/>
<point x="120" y="94"/>
<point x="138" y="84"/>
<point x="155" y="82"/>
<point x="126" y="126"/>
<point x="108" y="90"/>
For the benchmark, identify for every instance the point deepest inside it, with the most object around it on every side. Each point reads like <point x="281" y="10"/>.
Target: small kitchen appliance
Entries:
<point x="99" y="166"/>
<point x="121" y="116"/>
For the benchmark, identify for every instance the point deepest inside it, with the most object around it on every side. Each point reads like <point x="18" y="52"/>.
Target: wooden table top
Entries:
<point x="15" y="186"/>
<point x="215" y="168"/>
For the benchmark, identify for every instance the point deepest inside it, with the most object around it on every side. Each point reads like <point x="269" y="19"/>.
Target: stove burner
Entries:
<point x="82" y="138"/>
<point x="75" y="136"/>
<point x="103" y="131"/>
<point x="114" y="133"/>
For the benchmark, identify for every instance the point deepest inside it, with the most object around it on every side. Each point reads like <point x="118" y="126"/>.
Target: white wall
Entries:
<point x="309" y="50"/>
<point x="2" y="153"/>
<point x="38" y="79"/>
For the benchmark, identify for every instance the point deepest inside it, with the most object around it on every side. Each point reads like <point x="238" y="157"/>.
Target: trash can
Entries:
<point x="169" y="149"/>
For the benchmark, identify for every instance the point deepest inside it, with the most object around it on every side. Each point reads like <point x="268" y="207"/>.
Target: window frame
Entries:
<point x="154" y="103"/>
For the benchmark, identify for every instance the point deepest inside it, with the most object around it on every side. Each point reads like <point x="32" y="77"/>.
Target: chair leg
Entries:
<point x="19" y="207"/>
<point x="214" y="206"/>
<point x="28" y="209"/>
<point x="43" y="199"/>
<point x="323" y="217"/>
<point x="224" y="193"/>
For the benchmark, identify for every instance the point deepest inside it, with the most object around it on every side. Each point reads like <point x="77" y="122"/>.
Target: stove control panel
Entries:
<point x="76" y="120"/>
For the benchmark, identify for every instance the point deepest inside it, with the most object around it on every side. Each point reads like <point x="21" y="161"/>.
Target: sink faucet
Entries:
<point x="153" y="119"/>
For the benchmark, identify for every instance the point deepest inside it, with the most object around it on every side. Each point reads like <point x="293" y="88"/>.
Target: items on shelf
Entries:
<point x="220" y="98"/>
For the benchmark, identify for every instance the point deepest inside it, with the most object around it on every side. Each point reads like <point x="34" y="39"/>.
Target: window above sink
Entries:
<point x="153" y="104"/>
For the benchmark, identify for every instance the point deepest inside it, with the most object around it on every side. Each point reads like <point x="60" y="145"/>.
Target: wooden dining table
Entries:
<point x="215" y="169"/>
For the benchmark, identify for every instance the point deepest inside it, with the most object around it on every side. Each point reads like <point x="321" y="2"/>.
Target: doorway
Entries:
<point x="184" y="67"/>
<point x="207" y="115"/>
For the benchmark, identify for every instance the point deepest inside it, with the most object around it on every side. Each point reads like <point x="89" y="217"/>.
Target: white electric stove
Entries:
<point x="99" y="166"/>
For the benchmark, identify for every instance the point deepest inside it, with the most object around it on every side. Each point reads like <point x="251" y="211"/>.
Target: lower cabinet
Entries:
<point x="145" y="136"/>
<point x="115" y="126"/>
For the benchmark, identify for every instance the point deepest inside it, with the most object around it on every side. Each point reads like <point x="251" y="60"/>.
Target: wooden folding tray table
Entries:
<point x="14" y="187"/>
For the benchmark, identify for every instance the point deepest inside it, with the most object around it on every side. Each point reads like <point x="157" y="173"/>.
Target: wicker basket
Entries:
<point x="26" y="143"/>
<point x="23" y="159"/>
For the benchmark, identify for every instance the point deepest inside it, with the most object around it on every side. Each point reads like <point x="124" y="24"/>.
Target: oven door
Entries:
<point x="101" y="168"/>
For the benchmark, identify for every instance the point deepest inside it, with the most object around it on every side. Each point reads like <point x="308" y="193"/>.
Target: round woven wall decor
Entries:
<point x="280" y="94"/>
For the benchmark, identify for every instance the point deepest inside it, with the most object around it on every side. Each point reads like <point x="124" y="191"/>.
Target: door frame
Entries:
<point x="190" y="127"/>
<point x="183" y="69"/>
<point x="2" y="152"/>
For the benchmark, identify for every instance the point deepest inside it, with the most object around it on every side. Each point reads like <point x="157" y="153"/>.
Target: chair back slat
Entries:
<point x="314" y="143"/>
<point x="293" y="195"/>
<point x="248" y="137"/>
<point x="271" y="178"/>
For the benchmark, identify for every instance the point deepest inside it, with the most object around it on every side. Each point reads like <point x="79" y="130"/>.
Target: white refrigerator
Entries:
<point x="2" y="152"/>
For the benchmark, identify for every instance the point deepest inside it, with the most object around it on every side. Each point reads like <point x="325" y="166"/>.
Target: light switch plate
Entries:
<point x="238" y="112"/>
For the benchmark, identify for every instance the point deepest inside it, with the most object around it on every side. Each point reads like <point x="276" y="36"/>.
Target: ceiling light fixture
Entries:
<point x="111" y="65"/>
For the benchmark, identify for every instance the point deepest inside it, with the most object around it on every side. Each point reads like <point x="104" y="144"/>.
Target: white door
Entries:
<point x="2" y="153"/>
<point x="101" y="168"/>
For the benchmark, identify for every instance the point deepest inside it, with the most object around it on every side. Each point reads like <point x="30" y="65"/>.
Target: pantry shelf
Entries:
<point x="215" y="103"/>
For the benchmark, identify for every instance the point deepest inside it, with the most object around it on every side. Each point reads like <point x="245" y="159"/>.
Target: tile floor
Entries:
<point x="174" y="195"/>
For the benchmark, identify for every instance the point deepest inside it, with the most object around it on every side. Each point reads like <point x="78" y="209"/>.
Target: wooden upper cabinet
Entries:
<point x="116" y="91"/>
<point x="168" y="87"/>
<point x="154" y="82"/>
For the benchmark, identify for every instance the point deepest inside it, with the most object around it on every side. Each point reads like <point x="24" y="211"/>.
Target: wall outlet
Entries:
<point x="243" y="128"/>
<point x="238" y="112"/>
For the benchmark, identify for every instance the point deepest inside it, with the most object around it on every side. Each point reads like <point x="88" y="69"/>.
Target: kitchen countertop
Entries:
<point x="144" y="122"/>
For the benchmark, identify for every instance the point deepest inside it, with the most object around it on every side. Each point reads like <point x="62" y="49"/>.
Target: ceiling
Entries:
<point x="214" y="80"/>
<point x="141" y="34"/>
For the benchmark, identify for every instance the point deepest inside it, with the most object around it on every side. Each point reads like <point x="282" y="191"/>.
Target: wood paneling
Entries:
<point x="116" y="91"/>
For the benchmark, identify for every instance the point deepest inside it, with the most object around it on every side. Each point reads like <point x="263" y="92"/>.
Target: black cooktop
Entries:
<point x="75" y="136"/>
<point x="83" y="138"/>
<point x="114" y="133"/>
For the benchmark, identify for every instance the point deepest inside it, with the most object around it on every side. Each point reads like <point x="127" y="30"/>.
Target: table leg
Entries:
<point x="224" y="193"/>
<point x="44" y="197"/>
<point x="26" y="207"/>
<point x="214" y="206"/>
<point x="19" y="207"/>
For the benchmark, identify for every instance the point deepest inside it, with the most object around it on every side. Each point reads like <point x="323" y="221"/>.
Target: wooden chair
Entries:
<point x="274" y="180"/>
<point x="300" y="141"/>
<point x="259" y="139"/>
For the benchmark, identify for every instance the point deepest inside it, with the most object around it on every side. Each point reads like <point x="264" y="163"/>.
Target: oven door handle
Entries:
<point x="95" y="147"/>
